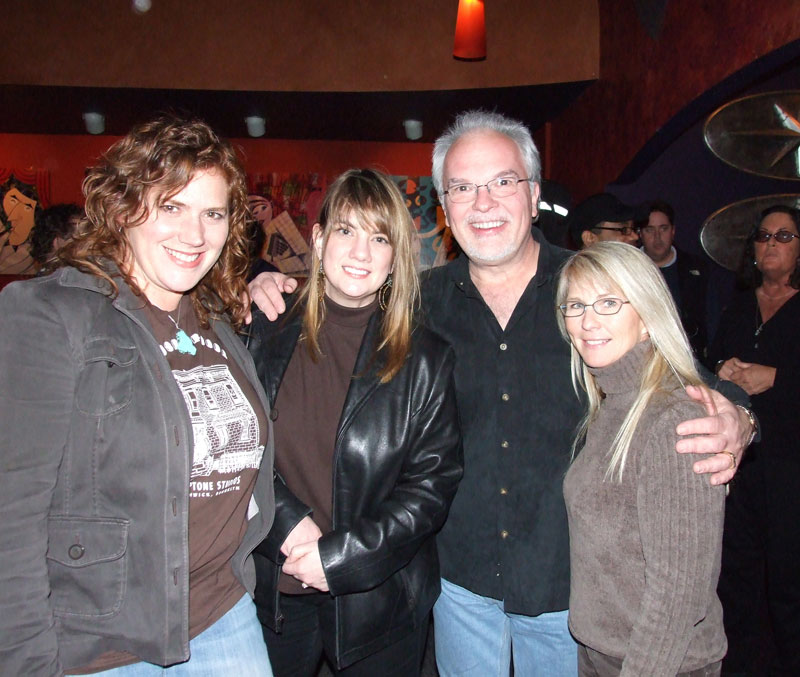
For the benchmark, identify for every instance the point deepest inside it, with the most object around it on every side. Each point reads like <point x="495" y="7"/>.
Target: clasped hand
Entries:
<point x="303" y="561"/>
<point x="750" y="377"/>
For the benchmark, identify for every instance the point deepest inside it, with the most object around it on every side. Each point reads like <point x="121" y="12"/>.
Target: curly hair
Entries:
<point x="152" y="163"/>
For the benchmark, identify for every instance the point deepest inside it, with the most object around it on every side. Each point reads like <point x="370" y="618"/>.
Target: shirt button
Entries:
<point x="503" y="346"/>
<point x="505" y="397"/>
<point x="504" y="444"/>
<point x="503" y="491"/>
<point x="503" y="534"/>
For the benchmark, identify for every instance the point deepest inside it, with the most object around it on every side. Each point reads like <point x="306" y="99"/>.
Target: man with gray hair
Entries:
<point x="505" y="547"/>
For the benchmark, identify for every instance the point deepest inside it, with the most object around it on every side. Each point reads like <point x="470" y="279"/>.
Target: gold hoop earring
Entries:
<point x="321" y="281"/>
<point x="384" y="293"/>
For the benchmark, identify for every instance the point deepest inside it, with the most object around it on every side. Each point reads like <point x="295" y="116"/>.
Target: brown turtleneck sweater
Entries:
<point x="309" y="405"/>
<point x="644" y="552"/>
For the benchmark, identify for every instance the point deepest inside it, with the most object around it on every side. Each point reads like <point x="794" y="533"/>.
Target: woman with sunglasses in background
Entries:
<point x="757" y="346"/>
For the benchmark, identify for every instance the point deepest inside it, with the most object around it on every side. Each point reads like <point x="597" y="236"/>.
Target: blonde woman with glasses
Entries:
<point x="645" y="530"/>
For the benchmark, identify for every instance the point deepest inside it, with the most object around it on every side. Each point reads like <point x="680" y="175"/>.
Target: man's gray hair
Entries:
<point x="477" y="121"/>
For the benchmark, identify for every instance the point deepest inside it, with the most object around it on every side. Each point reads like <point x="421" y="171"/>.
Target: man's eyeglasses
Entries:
<point x="502" y="186"/>
<point x="625" y="230"/>
<point x="609" y="306"/>
<point x="782" y="236"/>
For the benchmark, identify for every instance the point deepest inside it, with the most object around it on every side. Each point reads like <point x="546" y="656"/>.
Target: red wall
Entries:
<point x="645" y="82"/>
<point x="66" y="157"/>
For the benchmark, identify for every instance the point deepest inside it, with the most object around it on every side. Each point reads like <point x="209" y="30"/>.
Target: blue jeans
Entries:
<point x="234" y="645"/>
<point x="476" y="636"/>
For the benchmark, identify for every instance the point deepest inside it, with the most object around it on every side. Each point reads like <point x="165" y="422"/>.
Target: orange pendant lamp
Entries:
<point x="470" y="42"/>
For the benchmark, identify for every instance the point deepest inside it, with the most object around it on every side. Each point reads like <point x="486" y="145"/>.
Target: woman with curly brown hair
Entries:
<point x="134" y="427"/>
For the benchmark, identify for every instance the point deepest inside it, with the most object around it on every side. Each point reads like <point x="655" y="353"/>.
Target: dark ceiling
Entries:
<point x="360" y="116"/>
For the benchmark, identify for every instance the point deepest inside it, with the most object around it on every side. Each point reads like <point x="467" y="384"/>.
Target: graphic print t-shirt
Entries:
<point x="229" y="427"/>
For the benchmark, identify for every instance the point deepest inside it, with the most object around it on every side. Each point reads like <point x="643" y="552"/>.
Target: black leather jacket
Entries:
<point x="397" y="463"/>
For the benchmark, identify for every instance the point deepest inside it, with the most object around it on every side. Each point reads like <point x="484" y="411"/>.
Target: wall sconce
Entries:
<point x="470" y="42"/>
<point x="256" y="125"/>
<point x="95" y="122"/>
<point x="413" y="129"/>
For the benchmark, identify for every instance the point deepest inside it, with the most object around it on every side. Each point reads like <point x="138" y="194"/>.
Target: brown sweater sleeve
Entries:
<point x="680" y="519"/>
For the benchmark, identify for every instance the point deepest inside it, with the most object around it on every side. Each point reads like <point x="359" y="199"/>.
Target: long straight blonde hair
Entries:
<point x="372" y="199"/>
<point x="623" y="269"/>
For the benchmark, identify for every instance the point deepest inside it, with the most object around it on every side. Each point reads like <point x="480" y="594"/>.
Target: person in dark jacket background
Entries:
<point x="368" y="447"/>
<point x="686" y="275"/>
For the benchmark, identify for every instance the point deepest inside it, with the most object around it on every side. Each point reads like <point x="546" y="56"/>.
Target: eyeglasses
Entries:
<point x="625" y="230"/>
<point x="649" y="230"/>
<point x="608" y="306"/>
<point x="502" y="186"/>
<point x="782" y="236"/>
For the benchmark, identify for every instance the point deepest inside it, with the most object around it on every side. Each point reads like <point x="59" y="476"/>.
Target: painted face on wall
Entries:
<point x="491" y="230"/>
<point x="602" y="339"/>
<point x="356" y="258"/>
<point x="20" y="211"/>
<point x="261" y="209"/>
<point x="181" y="239"/>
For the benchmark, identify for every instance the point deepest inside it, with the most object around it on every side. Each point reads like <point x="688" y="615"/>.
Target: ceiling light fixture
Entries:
<point x="95" y="122"/>
<point x="141" y="6"/>
<point x="413" y="129"/>
<point x="256" y="125"/>
<point x="470" y="41"/>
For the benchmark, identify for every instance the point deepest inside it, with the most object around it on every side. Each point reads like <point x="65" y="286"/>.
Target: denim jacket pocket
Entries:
<point x="105" y="385"/>
<point x="87" y="565"/>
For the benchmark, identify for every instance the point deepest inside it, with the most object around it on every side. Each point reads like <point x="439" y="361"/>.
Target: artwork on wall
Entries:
<point x="759" y="134"/>
<point x="287" y="206"/>
<point x="23" y="194"/>
<point x="423" y="203"/>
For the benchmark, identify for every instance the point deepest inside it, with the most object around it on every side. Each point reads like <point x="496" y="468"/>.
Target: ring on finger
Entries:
<point x="733" y="459"/>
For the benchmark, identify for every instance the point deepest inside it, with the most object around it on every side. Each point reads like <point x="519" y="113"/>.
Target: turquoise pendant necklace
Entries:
<point x="185" y="344"/>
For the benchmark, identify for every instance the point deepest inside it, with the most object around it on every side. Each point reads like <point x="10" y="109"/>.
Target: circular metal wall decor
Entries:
<point x="724" y="233"/>
<point x="759" y="134"/>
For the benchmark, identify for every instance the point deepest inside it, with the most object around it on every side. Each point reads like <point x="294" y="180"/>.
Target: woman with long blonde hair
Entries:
<point x="645" y="530"/>
<point x="368" y="447"/>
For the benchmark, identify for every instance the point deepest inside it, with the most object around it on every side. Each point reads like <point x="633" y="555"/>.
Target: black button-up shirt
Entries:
<point x="507" y="535"/>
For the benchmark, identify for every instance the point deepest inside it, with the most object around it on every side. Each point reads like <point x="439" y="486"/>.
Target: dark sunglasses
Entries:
<point x="782" y="236"/>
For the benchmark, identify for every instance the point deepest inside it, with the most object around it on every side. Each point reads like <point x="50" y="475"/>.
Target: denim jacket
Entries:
<point x="95" y="457"/>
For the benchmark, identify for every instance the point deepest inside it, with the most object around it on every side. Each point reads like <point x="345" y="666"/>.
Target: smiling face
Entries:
<point x="601" y="340"/>
<point x="356" y="259"/>
<point x="180" y="240"/>
<point x="777" y="260"/>
<point x="492" y="231"/>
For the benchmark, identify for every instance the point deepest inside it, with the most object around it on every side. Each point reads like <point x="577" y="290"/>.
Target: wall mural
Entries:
<point x="23" y="195"/>
<point x="287" y="206"/>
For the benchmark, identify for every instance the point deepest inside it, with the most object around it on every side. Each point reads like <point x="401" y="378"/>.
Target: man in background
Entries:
<point x="600" y="218"/>
<point x="685" y="275"/>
